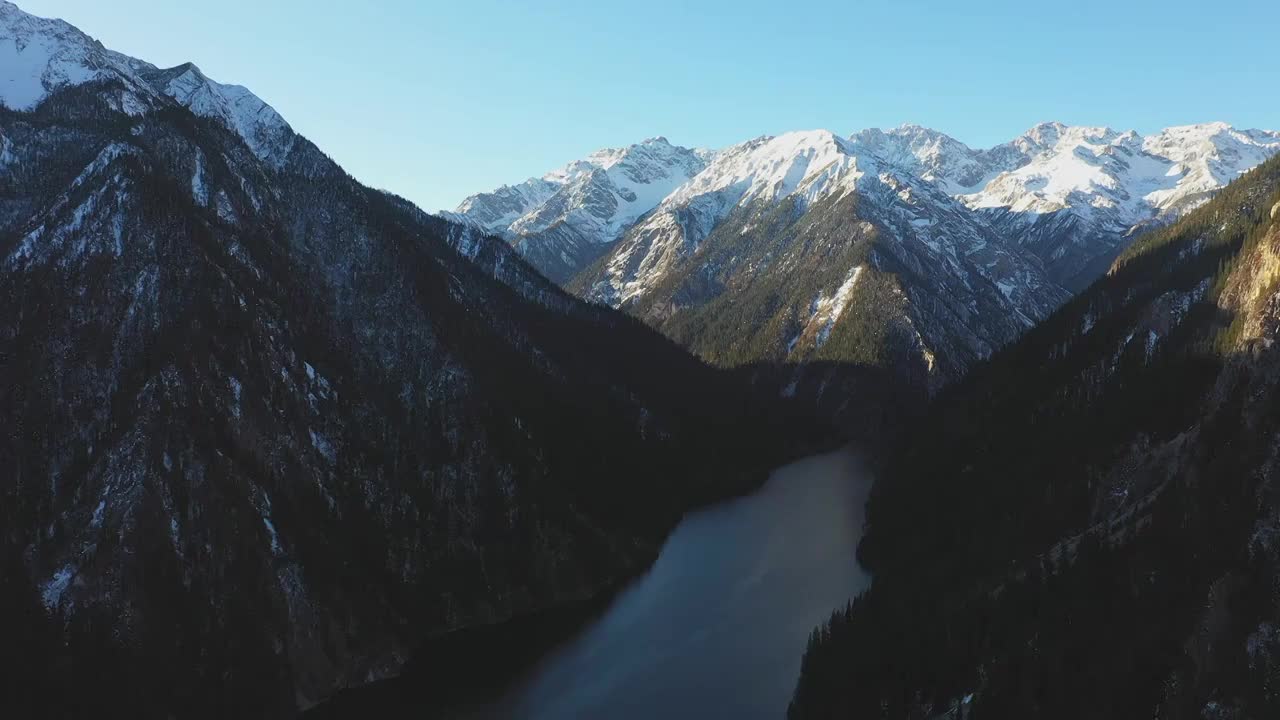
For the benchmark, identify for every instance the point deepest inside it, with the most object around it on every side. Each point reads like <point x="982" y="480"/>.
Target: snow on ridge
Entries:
<point x="495" y="211"/>
<point x="39" y="56"/>
<point x="1113" y="180"/>
<point x="1118" y="177"/>
<point x="808" y="164"/>
<point x="262" y="128"/>
<point x="597" y="197"/>
<point x="1122" y="179"/>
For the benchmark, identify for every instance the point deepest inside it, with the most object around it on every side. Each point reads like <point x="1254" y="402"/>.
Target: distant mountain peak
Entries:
<point x="559" y="221"/>
<point x="772" y="167"/>
<point x="1109" y="180"/>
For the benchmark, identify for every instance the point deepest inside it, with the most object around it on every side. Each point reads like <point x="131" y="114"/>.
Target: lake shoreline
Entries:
<point x="466" y="668"/>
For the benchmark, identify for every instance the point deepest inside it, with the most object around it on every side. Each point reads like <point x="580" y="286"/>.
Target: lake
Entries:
<point x="717" y="626"/>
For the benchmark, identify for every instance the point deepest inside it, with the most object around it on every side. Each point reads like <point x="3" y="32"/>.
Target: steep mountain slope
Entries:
<point x="1086" y="526"/>
<point x="802" y="248"/>
<point x="567" y="218"/>
<point x="271" y="430"/>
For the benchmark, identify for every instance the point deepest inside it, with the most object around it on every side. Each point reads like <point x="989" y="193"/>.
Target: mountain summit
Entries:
<point x="40" y="56"/>
<point x="1072" y="195"/>
<point x="565" y="219"/>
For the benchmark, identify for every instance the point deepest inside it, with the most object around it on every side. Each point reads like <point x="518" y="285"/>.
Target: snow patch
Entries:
<point x="96" y="520"/>
<point x="264" y="511"/>
<point x="827" y="310"/>
<point x="51" y="591"/>
<point x="199" y="189"/>
<point x="321" y="443"/>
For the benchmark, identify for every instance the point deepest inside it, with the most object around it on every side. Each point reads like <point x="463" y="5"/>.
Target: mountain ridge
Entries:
<point x="563" y="219"/>
<point x="41" y="56"/>
<point x="1104" y="201"/>
<point x="812" y="207"/>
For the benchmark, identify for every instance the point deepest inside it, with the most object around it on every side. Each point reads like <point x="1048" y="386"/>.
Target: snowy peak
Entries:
<point x="1071" y="194"/>
<point x="932" y="155"/>
<point x="1205" y="157"/>
<point x="1122" y="178"/>
<point x="496" y="211"/>
<point x="262" y="128"/>
<point x="802" y="167"/>
<point x="654" y="163"/>
<point x="1042" y="136"/>
<point x="1075" y="195"/>
<point x="640" y="163"/>
<point x="806" y="164"/>
<point x="588" y="201"/>
<point x="40" y="56"/>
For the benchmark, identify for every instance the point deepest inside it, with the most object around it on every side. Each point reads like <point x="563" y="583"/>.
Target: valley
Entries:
<point x="737" y="587"/>
<point x="815" y="425"/>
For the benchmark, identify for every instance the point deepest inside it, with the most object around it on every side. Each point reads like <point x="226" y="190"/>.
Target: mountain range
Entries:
<point x="273" y="434"/>
<point x="1072" y="193"/>
<point x="902" y="247"/>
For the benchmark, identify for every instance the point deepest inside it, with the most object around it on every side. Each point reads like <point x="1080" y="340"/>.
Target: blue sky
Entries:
<point x="435" y="100"/>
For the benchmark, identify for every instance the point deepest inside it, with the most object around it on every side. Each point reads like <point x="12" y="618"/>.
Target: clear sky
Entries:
<point x="437" y="99"/>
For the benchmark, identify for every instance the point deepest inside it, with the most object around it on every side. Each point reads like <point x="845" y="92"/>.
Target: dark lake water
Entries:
<point x="716" y="628"/>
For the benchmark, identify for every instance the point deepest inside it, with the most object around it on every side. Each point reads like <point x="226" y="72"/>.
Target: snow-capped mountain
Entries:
<point x="39" y="56"/>
<point x="1076" y="196"/>
<point x="1121" y="177"/>
<point x="937" y="157"/>
<point x="1043" y="213"/>
<point x="814" y="248"/>
<point x="803" y="166"/>
<point x="565" y="219"/>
